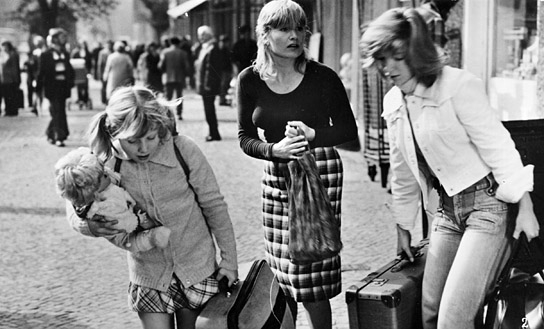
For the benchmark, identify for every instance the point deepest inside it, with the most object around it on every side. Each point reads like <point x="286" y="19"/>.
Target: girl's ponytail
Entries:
<point x="100" y="137"/>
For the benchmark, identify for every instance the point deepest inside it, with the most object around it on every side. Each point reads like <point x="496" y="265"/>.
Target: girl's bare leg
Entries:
<point x="319" y="314"/>
<point x="186" y="318"/>
<point x="157" y="320"/>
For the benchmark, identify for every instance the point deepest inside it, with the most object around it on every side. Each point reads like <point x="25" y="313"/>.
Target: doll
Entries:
<point x="91" y="188"/>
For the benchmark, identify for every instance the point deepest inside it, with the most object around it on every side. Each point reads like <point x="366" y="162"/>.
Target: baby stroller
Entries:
<point x="82" y="84"/>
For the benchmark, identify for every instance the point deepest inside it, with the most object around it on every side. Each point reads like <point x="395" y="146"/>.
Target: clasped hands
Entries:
<point x="297" y="136"/>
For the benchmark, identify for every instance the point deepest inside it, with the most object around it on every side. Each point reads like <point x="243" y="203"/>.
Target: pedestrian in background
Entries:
<point x="56" y="80"/>
<point x="94" y="55"/>
<point x="101" y="66"/>
<point x="187" y="45"/>
<point x="443" y="133"/>
<point x="244" y="49"/>
<point x="298" y="103"/>
<point x="119" y="70"/>
<point x="10" y="79"/>
<point x="32" y="64"/>
<point x="81" y="51"/>
<point x="136" y="52"/>
<point x="174" y="65"/>
<point x="435" y="13"/>
<point x="167" y="285"/>
<point x="226" y="68"/>
<point x="148" y="68"/>
<point x="208" y="77"/>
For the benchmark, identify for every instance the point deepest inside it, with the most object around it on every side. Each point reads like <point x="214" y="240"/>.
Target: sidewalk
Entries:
<point x="52" y="277"/>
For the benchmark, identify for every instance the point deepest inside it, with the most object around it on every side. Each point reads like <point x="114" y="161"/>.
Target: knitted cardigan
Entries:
<point x="160" y="188"/>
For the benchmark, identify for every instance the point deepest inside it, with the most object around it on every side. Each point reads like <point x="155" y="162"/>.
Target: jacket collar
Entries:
<point x="162" y="155"/>
<point x="430" y="96"/>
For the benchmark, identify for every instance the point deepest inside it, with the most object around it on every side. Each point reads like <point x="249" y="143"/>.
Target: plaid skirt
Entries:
<point x="307" y="282"/>
<point x="147" y="300"/>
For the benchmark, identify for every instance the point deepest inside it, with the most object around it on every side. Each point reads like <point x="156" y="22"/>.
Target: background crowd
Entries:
<point x="207" y="66"/>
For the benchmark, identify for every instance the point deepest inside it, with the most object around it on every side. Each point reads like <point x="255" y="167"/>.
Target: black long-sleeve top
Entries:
<point x="320" y="101"/>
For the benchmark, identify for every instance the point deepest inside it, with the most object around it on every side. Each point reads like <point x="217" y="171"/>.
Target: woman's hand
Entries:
<point x="526" y="221"/>
<point x="99" y="227"/>
<point x="404" y="241"/>
<point x="295" y="128"/>
<point x="289" y="147"/>
<point x="231" y="275"/>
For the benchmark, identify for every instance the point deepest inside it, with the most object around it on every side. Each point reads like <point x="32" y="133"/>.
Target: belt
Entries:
<point x="488" y="182"/>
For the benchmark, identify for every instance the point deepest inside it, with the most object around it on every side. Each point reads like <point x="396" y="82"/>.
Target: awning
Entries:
<point x="184" y="7"/>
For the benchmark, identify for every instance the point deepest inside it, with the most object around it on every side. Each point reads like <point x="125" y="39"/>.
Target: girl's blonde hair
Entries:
<point x="78" y="176"/>
<point x="278" y="14"/>
<point x="132" y="112"/>
<point x="403" y="31"/>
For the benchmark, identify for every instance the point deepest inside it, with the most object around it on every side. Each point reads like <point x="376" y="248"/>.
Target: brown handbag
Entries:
<point x="314" y="230"/>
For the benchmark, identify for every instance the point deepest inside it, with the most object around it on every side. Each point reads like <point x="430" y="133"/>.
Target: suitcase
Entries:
<point x="256" y="302"/>
<point x="389" y="298"/>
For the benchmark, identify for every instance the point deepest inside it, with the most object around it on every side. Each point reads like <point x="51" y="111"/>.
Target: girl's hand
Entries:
<point x="526" y="221"/>
<point x="99" y="227"/>
<point x="289" y="147"/>
<point x="295" y="128"/>
<point x="231" y="275"/>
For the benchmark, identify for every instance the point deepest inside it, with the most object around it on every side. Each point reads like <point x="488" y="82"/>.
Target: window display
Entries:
<point x="514" y="64"/>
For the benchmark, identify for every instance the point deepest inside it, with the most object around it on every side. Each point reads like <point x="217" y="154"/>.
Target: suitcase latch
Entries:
<point x="378" y="282"/>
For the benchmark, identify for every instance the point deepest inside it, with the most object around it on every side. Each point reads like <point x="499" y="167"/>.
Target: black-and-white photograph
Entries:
<point x="308" y="164"/>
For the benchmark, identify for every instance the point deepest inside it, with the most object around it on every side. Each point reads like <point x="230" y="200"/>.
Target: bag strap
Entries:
<point x="184" y="166"/>
<point x="182" y="162"/>
<point x="117" y="165"/>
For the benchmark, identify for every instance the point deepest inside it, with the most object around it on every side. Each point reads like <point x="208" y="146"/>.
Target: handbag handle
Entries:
<point x="300" y="132"/>
<point x="522" y="241"/>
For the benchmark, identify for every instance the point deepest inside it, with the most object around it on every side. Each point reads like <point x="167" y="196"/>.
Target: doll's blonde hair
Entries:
<point x="78" y="176"/>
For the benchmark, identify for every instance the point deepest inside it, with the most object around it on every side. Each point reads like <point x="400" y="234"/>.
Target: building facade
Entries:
<point x="330" y="22"/>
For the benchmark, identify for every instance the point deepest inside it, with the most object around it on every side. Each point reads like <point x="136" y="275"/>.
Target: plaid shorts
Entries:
<point x="148" y="300"/>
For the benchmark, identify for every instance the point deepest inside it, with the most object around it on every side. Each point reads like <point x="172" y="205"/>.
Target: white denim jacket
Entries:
<point x="461" y="138"/>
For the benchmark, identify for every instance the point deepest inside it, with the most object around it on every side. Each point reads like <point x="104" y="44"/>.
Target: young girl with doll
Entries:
<point x="136" y="134"/>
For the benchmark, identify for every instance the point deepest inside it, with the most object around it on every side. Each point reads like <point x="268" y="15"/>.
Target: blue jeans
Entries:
<point x="469" y="245"/>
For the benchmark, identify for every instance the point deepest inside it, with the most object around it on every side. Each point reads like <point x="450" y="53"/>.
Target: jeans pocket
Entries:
<point x="488" y="222"/>
<point x="483" y="201"/>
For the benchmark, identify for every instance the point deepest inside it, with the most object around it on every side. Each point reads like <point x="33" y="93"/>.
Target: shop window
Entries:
<point x="514" y="60"/>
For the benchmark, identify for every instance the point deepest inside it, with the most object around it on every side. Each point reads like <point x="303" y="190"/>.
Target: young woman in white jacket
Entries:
<point x="444" y="134"/>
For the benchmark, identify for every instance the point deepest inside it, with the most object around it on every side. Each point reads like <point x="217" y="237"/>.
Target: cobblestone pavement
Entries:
<point x="52" y="277"/>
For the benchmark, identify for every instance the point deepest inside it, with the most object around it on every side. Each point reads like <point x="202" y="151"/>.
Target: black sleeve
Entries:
<point x="248" y="135"/>
<point x="335" y="98"/>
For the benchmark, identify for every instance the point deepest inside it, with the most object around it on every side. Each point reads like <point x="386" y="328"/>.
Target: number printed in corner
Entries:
<point x="524" y="323"/>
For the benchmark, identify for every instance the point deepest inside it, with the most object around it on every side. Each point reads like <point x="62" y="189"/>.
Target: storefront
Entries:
<point x="502" y="47"/>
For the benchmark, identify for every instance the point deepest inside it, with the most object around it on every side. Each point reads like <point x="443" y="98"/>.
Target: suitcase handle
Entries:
<point x="404" y="261"/>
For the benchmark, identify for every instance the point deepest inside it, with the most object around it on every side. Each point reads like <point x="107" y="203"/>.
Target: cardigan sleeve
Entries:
<point x="79" y="225"/>
<point x="210" y="200"/>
